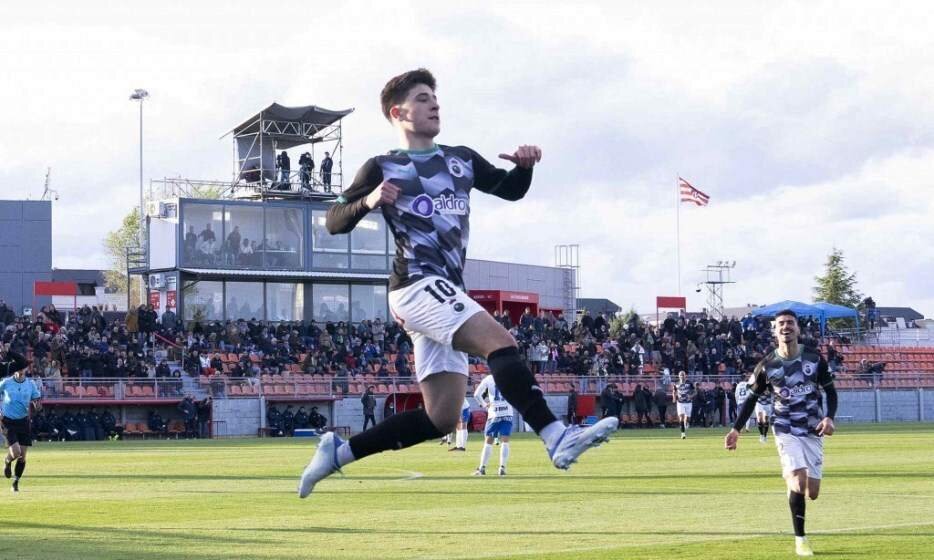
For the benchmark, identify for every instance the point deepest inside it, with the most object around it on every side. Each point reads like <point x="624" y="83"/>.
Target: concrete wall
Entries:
<point x="241" y="417"/>
<point x="553" y="285"/>
<point x="25" y="250"/>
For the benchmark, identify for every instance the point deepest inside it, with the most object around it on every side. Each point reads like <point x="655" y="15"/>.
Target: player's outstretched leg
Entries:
<point x="396" y="432"/>
<point x="482" y="335"/>
<point x="443" y="393"/>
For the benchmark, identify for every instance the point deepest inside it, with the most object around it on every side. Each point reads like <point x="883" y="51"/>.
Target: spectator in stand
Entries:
<point x="306" y="167"/>
<point x="572" y="405"/>
<point x="191" y="243"/>
<point x="284" y="165"/>
<point x="326" y="165"/>
<point x="607" y="401"/>
<point x="169" y="321"/>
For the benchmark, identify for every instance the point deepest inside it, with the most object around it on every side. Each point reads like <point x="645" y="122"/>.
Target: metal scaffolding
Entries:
<point x="718" y="275"/>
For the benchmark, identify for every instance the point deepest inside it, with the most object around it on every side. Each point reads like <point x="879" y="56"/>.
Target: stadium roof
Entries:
<point x="597" y="305"/>
<point x="310" y="119"/>
<point x="907" y="313"/>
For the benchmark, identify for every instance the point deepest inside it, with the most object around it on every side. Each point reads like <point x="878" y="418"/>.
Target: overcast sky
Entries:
<point x="810" y="125"/>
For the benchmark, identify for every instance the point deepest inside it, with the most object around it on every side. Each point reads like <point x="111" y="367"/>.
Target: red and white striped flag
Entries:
<point x="690" y="194"/>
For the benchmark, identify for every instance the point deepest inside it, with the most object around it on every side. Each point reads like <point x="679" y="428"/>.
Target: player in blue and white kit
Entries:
<point x="498" y="424"/>
<point x="794" y="376"/>
<point x="17" y="395"/>
<point x="460" y="434"/>
<point x="423" y="193"/>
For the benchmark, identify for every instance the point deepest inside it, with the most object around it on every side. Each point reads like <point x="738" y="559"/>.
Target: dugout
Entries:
<point x="503" y="300"/>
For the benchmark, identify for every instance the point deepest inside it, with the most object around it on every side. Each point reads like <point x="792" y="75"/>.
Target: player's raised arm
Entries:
<point x="367" y="192"/>
<point x="508" y="185"/>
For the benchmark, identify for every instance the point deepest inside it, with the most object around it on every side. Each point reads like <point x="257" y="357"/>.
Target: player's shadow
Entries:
<point x="156" y="535"/>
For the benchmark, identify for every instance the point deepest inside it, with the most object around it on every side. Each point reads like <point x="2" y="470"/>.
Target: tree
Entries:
<point x="837" y="285"/>
<point x="116" y="243"/>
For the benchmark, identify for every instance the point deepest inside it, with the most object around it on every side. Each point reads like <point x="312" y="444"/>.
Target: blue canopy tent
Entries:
<point x="834" y="311"/>
<point x="820" y="311"/>
<point x="800" y="309"/>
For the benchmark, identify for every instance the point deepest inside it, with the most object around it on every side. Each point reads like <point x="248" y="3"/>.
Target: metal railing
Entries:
<point x="300" y="387"/>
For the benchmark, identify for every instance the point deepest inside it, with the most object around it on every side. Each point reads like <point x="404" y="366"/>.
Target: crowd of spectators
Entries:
<point x="94" y="344"/>
<point x="698" y="344"/>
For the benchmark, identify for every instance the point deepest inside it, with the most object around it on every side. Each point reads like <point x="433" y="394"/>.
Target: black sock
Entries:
<point x="518" y="386"/>
<point x="683" y="422"/>
<point x="396" y="432"/>
<point x="762" y="428"/>
<point x="19" y="468"/>
<point x="796" y="503"/>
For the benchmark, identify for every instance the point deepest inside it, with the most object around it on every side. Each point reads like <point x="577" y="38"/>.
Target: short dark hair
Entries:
<point x="787" y="312"/>
<point x="397" y="88"/>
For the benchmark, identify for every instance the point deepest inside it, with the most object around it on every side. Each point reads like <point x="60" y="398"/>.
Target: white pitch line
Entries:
<point x="413" y="475"/>
<point x="701" y="540"/>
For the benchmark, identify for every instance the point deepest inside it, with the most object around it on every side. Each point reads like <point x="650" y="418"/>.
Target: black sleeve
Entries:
<point x="349" y="209"/>
<point x="758" y="387"/>
<point x="825" y="379"/>
<point x="511" y="185"/>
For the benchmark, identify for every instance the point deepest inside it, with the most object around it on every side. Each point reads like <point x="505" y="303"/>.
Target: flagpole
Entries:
<point x="678" y="226"/>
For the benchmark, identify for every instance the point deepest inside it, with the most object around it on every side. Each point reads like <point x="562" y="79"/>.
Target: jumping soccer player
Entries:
<point x="683" y="394"/>
<point x="423" y="192"/>
<point x="794" y="375"/>
<point x="498" y="424"/>
<point x="17" y="395"/>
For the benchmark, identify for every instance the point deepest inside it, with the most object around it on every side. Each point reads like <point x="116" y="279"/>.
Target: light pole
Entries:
<point x="140" y="95"/>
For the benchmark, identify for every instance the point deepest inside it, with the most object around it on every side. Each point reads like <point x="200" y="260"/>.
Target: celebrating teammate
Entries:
<point x="763" y="412"/>
<point x="423" y="192"/>
<point x="17" y="395"/>
<point x="742" y="393"/>
<point x="794" y="375"/>
<point x="498" y="424"/>
<point x="683" y="394"/>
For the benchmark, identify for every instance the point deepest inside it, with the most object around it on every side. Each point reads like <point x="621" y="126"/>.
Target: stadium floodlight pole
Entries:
<point x="140" y="95"/>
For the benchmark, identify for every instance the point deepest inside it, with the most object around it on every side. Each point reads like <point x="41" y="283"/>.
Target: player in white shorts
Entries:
<point x="460" y="434"/>
<point x="683" y="393"/>
<point x="498" y="424"/>
<point x="423" y="193"/>
<point x="794" y="376"/>
<point x="742" y="393"/>
<point x="763" y="413"/>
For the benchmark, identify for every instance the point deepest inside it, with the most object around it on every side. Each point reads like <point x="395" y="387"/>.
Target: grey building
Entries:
<point x="25" y="251"/>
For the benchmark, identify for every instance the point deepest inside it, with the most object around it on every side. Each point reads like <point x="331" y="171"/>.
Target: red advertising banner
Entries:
<point x="154" y="299"/>
<point x="170" y="300"/>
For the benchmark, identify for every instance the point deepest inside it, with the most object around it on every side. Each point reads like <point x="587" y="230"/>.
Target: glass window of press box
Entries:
<point x="270" y="301"/>
<point x="329" y="251"/>
<point x="243" y="236"/>
<point x="368" y="243"/>
<point x="203" y="300"/>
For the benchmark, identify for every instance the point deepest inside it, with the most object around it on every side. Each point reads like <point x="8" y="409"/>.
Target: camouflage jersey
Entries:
<point x="685" y="392"/>
<point x="430" y="219"/>
<point x="795" y="386"/>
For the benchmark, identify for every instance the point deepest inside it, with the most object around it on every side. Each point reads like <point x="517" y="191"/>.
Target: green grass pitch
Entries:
<point x="645" y="495"/>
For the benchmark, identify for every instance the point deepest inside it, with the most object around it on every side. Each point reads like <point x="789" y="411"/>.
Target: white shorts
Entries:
<point x="766" y="408"/>
<point x="685" y="408"/>
<point x="431" y="310"/>
<point x="801" y="452"/>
